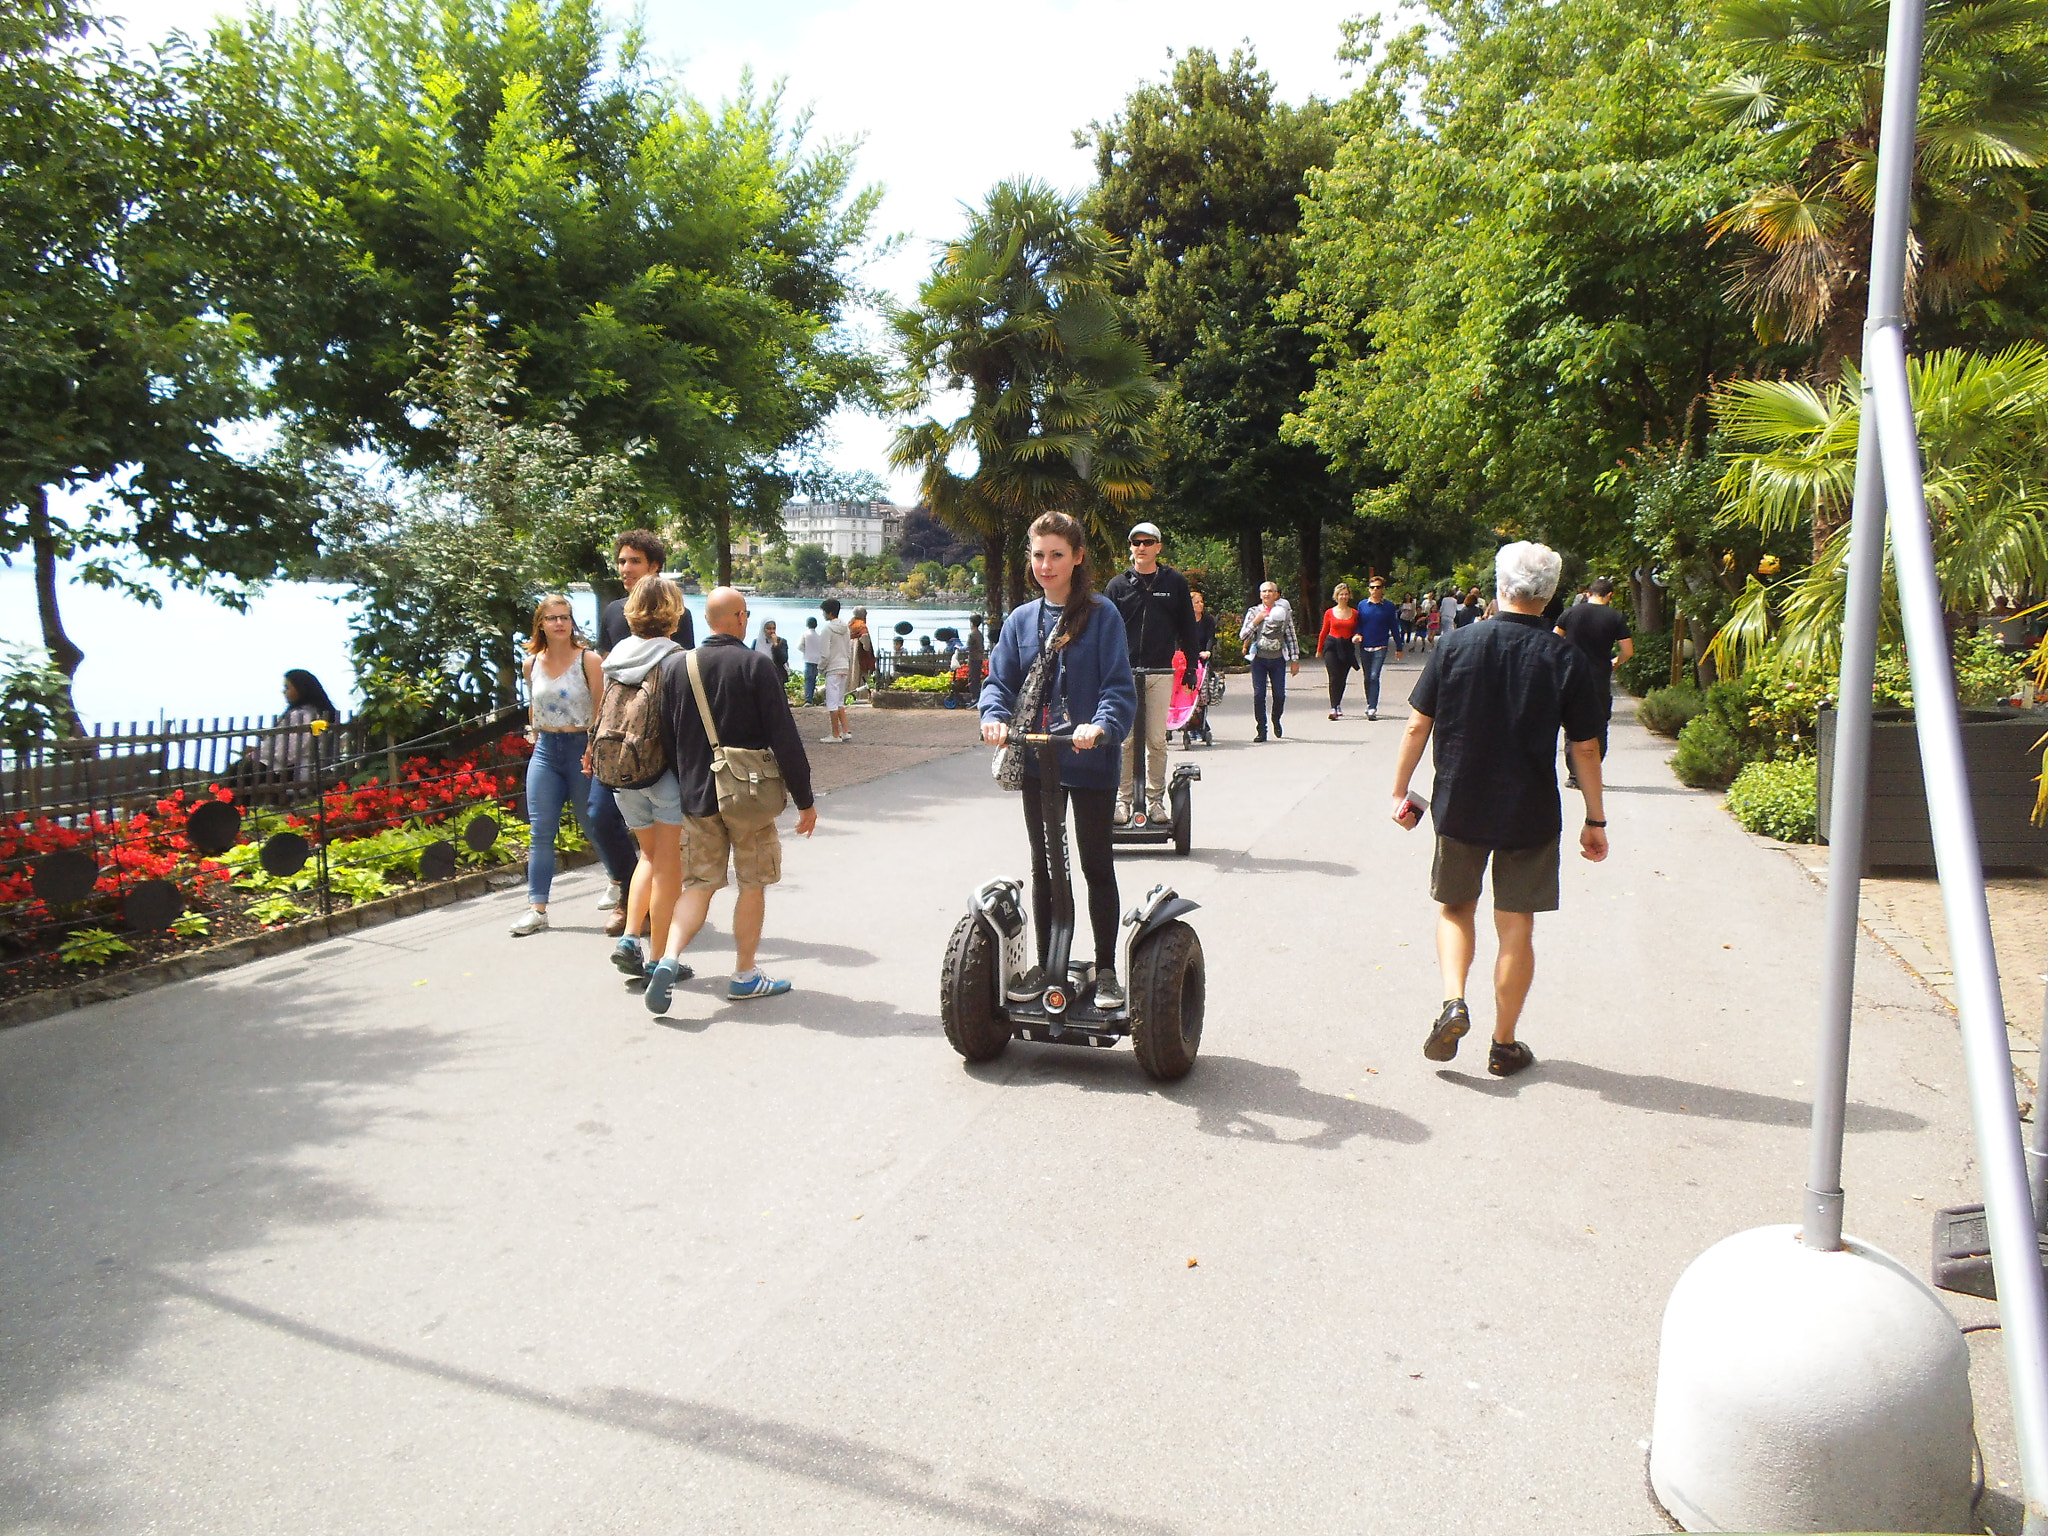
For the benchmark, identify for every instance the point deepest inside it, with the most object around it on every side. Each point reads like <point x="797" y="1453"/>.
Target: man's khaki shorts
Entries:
<point x="1524" y="879"/>
<point x="707" y="842"/>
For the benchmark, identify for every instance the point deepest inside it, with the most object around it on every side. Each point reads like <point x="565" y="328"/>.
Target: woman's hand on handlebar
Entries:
<point x="1086" y="736"/>
<point x="995" y="732"/>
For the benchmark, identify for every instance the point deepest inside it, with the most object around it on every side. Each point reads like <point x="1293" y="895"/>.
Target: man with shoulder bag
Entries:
<point x="739" y="759"/>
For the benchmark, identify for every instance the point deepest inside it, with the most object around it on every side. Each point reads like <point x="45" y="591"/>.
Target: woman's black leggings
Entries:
<point x="1090" y="849"/>
<point x="1337" y="662"/>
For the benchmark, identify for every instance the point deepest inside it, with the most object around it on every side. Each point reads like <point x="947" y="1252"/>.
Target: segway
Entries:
<point x="1179" y="826"/>
<point x="1160" y="958"/>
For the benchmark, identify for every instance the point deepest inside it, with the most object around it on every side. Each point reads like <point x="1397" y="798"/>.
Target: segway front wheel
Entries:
<point x="1183" y="818"/>
<point x="967" y="993"/>
<point x="1168" y="992"/>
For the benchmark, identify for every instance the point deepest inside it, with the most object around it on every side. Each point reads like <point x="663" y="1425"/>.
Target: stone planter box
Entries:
<point x="904" y="698"/>
<point x="2002" y="761"/>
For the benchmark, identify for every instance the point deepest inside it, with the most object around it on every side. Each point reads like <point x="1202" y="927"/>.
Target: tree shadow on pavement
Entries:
<point x="920" y="1486"/>
<point x="1674" y="1096"/>
<point x="1224" y="1091"/>
<point x="702" y="1003"/>
<point x="165" y="1131"/>
<point x="1226" y="862"/>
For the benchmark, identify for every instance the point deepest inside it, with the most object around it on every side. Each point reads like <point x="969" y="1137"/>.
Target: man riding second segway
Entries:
<point x="1158" y="611"/>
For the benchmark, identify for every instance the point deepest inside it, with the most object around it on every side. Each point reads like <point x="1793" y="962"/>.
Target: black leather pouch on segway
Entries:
<point x="1158" y="953"/>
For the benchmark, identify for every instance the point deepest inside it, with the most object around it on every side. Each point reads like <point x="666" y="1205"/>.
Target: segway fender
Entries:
<point x="1162" y="914"/>
<point x="999" y="906"/>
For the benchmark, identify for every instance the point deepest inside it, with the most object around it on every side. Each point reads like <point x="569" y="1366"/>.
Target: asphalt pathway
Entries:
<point x="431" y="1230"/>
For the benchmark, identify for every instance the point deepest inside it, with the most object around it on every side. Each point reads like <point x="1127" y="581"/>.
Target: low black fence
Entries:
<point x="194" y="838"/>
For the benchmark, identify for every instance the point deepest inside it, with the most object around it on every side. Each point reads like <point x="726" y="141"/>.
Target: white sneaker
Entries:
<point x="828" y="738"/>
<point x="1156" y="811"/>
<point x="1121" y="816"/>
<point x="614" y="896"/>
<point x="1372" y="714"/>
<point x="535" y="921"/>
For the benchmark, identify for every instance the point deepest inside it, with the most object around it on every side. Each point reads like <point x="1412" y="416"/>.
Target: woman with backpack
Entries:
<point x="629" y="754"/>
<point x="1063" y="659"/>
<point x="563" y="681"/>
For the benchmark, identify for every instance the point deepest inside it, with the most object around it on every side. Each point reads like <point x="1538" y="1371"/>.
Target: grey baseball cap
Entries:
<point x="1149" y="528"/>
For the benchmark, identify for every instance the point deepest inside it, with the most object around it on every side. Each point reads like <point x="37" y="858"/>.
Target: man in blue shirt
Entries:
<point x="1379" y="629"/>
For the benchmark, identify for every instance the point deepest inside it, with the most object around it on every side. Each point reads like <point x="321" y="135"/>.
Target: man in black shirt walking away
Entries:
<point x="1495" y="696"/>
<point x="1159" y="618"/>
<point x="1596" y="629"/>
<point x="749" y="708"/>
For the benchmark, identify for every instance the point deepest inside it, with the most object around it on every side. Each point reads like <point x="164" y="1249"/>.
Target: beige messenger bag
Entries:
<point x="751" y="793"/>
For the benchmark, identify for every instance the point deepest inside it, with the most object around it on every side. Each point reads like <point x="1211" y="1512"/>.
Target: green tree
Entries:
<point x="1503" y="267"/>
<point x="670" y="275"/>
<point x="1805" y="79"/>
<point x="449" y="566"/>
<point x="1984" y="443"/>
<point x="1020" y="316"/>
<point x="1201" y="175"/>
<point x="810" y="564"/>
<point x="146" y="240"/>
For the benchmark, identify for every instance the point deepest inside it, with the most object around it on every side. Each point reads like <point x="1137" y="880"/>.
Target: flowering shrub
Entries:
<point x="148" y="845"/>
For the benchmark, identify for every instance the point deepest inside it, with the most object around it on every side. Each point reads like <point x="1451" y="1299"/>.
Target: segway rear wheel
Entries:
<point x="1183" y="810"/>
<point x="967" y="993"/>
<point x="1168" y="992"/>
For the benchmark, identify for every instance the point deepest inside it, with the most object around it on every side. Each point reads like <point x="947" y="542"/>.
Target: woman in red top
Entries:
<point x="1333" y="644"/>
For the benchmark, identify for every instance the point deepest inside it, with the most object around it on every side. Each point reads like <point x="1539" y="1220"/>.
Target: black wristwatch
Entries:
<point x="1592" y="823"/>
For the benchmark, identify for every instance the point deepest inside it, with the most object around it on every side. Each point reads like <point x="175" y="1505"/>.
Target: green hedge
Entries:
<point x="1667" y="710"/>
<point x="1650" y="667"/>
<point x="1777" y="799"/>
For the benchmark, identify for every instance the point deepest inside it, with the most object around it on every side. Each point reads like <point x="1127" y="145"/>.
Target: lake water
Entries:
<point x="194" y="659"/>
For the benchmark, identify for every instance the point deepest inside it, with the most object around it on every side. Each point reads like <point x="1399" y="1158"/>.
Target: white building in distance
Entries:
<point x="843" y="528"/>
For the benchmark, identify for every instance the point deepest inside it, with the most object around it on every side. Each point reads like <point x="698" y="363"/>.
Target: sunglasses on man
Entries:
<point x="1142" y="543"/>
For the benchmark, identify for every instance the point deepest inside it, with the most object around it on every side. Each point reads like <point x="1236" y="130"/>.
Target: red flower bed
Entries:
<point x="145" y="846"/>
<point x="428" y="790"/>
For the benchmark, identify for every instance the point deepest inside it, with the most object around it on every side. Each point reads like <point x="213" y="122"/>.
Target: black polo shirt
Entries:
<point x="1499" y="692"/>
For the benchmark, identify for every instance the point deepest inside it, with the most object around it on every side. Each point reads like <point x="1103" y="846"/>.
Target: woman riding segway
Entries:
<point x="1063" y="661"/>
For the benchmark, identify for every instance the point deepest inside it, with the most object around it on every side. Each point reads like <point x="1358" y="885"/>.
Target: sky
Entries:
<point x="947" y="98"/>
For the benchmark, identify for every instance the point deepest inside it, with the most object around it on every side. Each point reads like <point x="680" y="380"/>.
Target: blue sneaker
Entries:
<point x="756" y="985"/>
<point x="661" y="983"/>
<point x="627" y="957"/>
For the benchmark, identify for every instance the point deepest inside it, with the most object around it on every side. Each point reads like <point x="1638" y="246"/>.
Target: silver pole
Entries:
<point x="1847" y="807"/>
<point x="2037" y="1146"/>
<point x="1987" y="1058"/>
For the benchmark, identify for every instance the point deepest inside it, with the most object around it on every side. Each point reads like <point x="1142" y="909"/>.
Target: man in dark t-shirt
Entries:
<point x="1597" y="628"/>
<point x="1494" y="696"/>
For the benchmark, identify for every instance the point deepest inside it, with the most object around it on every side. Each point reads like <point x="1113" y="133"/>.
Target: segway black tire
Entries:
<point x="967" y="993"/>
<point x="1183" y="810"/>
<point x="1169" y="989"/>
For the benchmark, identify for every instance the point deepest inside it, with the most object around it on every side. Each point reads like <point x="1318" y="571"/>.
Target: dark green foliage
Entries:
<point x="1650" y="666"/>
<point x="1667" y="710"/>
<point x="1777" y="799"/>
<point x="1202" y="174"/>
<point x="1709" y="754"/>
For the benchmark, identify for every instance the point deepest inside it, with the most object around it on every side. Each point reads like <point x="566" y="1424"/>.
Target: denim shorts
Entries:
<point x="661" y="801"/>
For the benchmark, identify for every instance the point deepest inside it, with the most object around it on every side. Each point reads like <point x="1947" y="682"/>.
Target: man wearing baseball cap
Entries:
<point x="1159" y="619"/>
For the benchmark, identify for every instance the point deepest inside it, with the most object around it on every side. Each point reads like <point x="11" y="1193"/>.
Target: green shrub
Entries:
<point x="92" y="946"/>
<point x="942" y="683"/>
<point x="1777" y="799"/>
<point x="1709" y="754"/>
<point x="1650" y="667"/>
<point x="1666" y="710"/>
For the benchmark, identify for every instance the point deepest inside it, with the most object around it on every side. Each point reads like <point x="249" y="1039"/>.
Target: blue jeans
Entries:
<point x="554" y="778"/>
<point x="1373" y="661"/>
<point x="810" y="682"/>
<point x="615" y="845"/>
<point x="1268" y="674"/>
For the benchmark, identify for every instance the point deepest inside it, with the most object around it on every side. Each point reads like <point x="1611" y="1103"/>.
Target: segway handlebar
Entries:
<point x="1058" y="734"/>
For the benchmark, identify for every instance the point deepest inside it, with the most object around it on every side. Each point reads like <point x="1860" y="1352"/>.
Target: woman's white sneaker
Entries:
<point x="535" y="921"/>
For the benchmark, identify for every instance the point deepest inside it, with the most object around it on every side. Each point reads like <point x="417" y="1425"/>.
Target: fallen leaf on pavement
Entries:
<point x="1192" y="1263"/>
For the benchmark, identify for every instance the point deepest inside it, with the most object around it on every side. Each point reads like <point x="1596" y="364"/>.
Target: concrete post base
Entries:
<point x="1806" y="1391"/>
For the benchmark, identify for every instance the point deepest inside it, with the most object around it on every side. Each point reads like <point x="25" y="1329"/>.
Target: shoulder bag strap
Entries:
<point x="703" y="704"/>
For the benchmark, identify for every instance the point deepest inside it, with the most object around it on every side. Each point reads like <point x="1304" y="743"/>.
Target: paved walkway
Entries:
<point x="435" y="1231"/>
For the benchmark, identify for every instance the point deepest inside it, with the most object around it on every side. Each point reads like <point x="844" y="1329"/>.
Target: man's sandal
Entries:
<point x="1505" y="1060"/>
<point x="1451" y="1026"/>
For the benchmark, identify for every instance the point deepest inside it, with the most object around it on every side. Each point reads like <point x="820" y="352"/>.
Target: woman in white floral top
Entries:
<point x="564" y="681"/>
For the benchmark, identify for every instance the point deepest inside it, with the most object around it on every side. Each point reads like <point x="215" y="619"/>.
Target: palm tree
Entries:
<point x="1983" y="425"/>
<point x="1018" y="323"/>
<point x="1807" y="77"/>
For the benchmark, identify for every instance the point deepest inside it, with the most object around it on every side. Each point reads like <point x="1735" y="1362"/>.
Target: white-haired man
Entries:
<point x="1495" y="695"/>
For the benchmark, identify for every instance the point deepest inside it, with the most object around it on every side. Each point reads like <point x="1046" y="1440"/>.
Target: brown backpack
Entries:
<point x="626" y="746"/>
